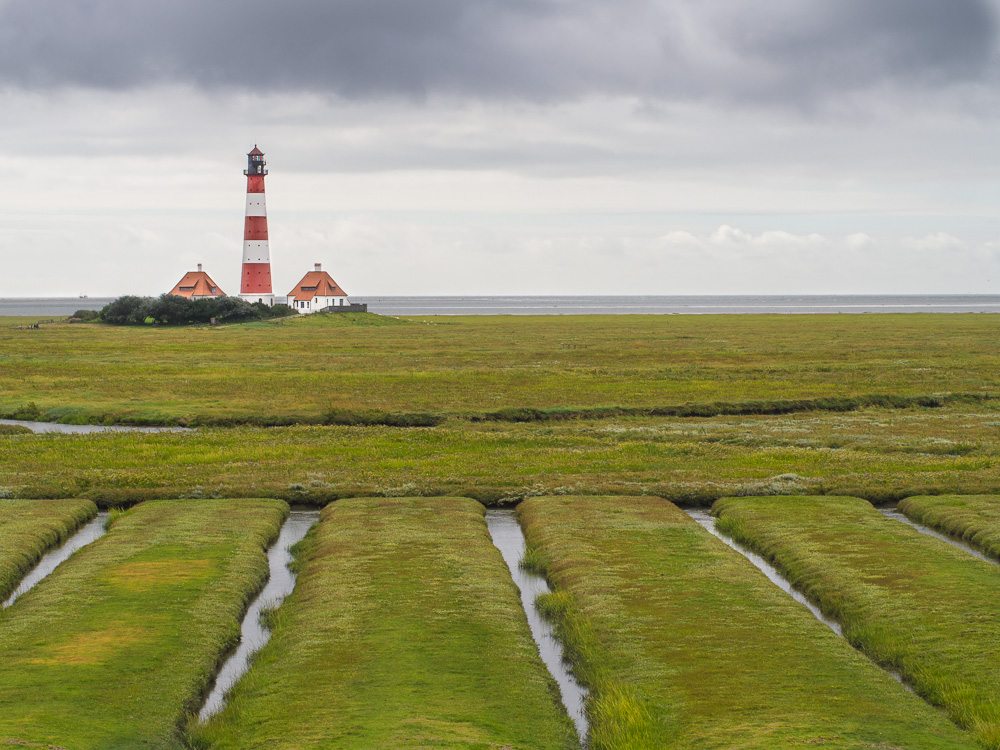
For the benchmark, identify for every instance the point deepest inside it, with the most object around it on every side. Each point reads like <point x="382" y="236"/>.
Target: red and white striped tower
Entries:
<point x="255" y="285"/>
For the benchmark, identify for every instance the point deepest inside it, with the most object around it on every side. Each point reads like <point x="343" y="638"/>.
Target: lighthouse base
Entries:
<point x="268" y="299"/>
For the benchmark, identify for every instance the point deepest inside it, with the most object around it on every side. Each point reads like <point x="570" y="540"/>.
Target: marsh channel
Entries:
<point x="509" y="539"/>
<point x="84" y="429"/>
<point x="896" y="515"/>
<point x="253" y="634"/>
<point x="707" y="521"/>
<point x="89" y="532"/>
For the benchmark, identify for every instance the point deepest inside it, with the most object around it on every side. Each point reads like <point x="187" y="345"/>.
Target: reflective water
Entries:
<point x="253" y="635"/>
<point x="897" y="516"/>
<point x="784" y="304"/>
<point x="87" y="428"/>
<point x="509" y="539"/>
<point x="88" y="533"/>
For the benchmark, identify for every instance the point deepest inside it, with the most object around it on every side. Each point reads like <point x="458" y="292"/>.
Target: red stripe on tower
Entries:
<point x="255" y="282"/>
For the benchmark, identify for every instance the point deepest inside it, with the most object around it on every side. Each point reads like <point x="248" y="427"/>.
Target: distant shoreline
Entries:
<point x="601" y="305"/>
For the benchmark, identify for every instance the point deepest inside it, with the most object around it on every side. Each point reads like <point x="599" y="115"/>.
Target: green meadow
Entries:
<point x="28" y="528"/>
<point x="119" y="643"/>
<point x="973" y="518"/>
<point x="685" y="644"/>
<point x="913" y="603"/>
<point x="309" y="368"/>
<point x="404" y="631"/>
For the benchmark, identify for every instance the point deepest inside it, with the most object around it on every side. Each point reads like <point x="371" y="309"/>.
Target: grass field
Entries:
<point x="299" y="370"/>
<point x="113" y="648"/>
<point x="973" y="518"/>
<point x="593" y="381"/>
<point x="404" y="631"/>
<point x="885" y="454"/>
<point x="914" y="603"/>
<point x="686" y="645"/>
<point x="29" y="528"/>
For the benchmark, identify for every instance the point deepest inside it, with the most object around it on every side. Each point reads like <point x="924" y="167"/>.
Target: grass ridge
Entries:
<point x="29" y="530"/>
<point x="888" y="594"/>
<point x="514" y="414"/>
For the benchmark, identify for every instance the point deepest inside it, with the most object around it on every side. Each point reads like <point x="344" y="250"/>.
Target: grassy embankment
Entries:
<point x="29" y="528"/>
<point x="404" y="630"/>
<point x="686" y="645"/>
<point x="883" y="454"/>
<point x="914" y="603"/>
<point x="113" y="648"/>
<point x="370" y="368"/>
<point x="972" y="518"/>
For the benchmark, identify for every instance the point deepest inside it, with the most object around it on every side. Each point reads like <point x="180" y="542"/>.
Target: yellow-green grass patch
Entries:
<point x="29" y="528"/>
<point x="685" y="644"/>
<point x="913" y="603"/>
<point x="405" y="630"/>
<point x="119" y="644"/>
<point x="973" y="518"/>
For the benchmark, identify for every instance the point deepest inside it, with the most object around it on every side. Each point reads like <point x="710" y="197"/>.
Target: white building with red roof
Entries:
<point x="197" y="285"/>
<point x="316" y="291"/>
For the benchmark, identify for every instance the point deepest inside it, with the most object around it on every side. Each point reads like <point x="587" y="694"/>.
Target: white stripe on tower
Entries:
<point x="256" y="204"/>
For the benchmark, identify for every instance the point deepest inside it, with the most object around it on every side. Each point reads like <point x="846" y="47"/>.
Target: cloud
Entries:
<point x="781" y="51"/>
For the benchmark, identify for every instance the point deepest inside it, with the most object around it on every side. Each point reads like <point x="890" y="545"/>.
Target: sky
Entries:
<point x="504" y="147"/>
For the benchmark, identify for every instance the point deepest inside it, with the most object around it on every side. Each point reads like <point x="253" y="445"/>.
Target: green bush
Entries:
<point x="174" y="310"/>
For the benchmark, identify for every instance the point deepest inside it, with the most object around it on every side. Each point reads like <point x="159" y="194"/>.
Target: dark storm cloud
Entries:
<point x="795" y="50"/>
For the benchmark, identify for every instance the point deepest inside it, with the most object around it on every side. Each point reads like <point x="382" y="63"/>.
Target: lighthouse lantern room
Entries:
<point x="255" y="283"/>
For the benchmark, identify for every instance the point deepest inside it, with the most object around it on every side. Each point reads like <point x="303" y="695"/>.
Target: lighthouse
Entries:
<point x="255" y="284"/>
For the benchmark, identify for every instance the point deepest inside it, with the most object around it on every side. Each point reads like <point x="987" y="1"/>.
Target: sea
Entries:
<point x="59" y="307"/>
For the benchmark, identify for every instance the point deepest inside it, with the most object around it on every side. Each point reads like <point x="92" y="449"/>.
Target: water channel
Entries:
<point x="509" y="539"/>
<point x="253" y="635"/>
<point x="895" y="515"/>
<point x="82" y="429"/>
<point x="707" y="521"/>
<point x="87" y="533"/>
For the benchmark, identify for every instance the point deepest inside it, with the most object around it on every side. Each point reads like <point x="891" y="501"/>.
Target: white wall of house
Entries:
<point x="316" y="303"/>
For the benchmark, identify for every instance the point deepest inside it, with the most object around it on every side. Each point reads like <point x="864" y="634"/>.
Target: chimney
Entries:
<point x="319" y="266"/>
<point x="199" y="268"/>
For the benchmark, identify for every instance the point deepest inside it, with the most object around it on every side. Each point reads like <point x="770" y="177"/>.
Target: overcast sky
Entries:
<point x="504" y="146"/>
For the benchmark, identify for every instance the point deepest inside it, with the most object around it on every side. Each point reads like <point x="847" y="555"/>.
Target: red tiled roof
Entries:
<point x="197" y="284"/>
<point x="256" y="151"/>
<point x="316" y="284"/>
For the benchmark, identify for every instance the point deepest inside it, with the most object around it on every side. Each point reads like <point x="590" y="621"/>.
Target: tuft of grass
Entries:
<point x="683" y="643"/>
<point x="121" y="641"/>
<point x="30" y="528"/>
<point x="15" y="429"/>
<point x="913" y="603"/>
<point x="404" y="630"/>
<point x="533" y="562"/>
